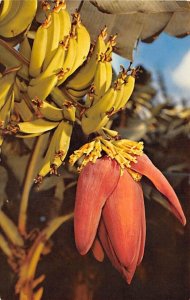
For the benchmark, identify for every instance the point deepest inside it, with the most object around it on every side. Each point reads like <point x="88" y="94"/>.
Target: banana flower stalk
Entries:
<point x="109" y="213"/>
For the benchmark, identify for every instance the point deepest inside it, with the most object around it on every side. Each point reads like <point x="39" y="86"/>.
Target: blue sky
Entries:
<point x="171" y="57"/>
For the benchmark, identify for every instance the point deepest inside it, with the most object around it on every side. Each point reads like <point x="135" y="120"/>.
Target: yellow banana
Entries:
<point x="48" y="111"/>
<point x="53" y="38"/>
<point x="98" y="115"/>
<point x="85" y="75"/>
<point x="5" y="9"/>
<point x="62" y="143"/>
<point x="83" y="42"/>
<point x="25" y="48"/>
<point x="65" y="22"/>
<point x="103" y="75"/>
<point x="128" y="89"/>
<point x="100" y="79"/>
<point x="108" y="54"/>
<point x="69" y="60"/>
<point x="9" y="11"/>
<point x="38" y="126"/>
<point x="108" y="75"/>
<point x="119" y="97"/>
<point x="18" y="18"/>
<point x="39" y="49"/>
<point x="42" y="89"/>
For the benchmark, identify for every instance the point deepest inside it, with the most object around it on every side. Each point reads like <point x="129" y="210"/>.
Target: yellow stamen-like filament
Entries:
<point x="123" y="151"/>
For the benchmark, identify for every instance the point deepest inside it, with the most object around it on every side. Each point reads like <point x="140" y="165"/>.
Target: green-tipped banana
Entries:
<point x="49" y="112"/>
<point x="39" y="49"/>
<point x="37" y="126"/>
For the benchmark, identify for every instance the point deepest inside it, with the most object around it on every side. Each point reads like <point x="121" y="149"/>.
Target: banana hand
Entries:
<point x="85" y="75"/>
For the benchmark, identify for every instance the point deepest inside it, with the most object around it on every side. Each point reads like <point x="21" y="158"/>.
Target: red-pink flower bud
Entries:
<point x="96" y="183"/>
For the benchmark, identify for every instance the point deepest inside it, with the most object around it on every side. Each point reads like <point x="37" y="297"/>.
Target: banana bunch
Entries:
<point x="56" y="77"/>
<point x="113" y="100"/>
<point x="7" y="82"/>
<point x="59" y="49"/>
<point x="16" y="16"/>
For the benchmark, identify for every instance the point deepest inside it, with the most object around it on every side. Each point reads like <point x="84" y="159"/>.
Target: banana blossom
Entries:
<point x="109" y="213"/>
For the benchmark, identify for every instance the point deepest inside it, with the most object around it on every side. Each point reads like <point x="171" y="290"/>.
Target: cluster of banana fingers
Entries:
<point x="56" y="77"/>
